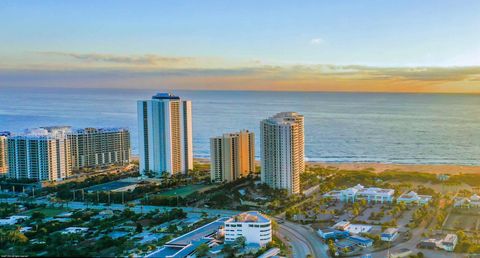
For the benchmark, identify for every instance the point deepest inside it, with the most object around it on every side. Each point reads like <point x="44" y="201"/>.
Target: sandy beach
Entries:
<point x="382" y="167"/>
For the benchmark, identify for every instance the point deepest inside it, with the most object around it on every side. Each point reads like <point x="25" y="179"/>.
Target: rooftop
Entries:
<point x="90" y="130"/>
<point x="249" y="216"/>
<point x="390" y="231"/>
<point x="450" y="238"/>
<point x="284" y="118"/>
<point x="165" y="95"/>
<point x="360" y="239"/>
<point x="197" y="234"/>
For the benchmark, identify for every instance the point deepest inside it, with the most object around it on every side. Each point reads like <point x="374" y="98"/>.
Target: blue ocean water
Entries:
<point x="339" y="127"/>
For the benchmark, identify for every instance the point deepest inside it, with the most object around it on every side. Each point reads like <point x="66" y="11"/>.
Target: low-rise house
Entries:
<point x="414" y="198"/>
<point x="358" y="228"/>
<point x="12" y="220"/>
<point x="389" y="235"/>
<point x="430" y="243"/>
<point x="25" y="229"/>
<point x="342" y="225"/>
<point x="345" y="245"/>
<point x="361" y="241"/>
<point x="349" y="244"/>
<point x="105" y="214"/>
<point x="331" y="233"/>
<point x="449" y="242"/>
<point x="74" y="230"/>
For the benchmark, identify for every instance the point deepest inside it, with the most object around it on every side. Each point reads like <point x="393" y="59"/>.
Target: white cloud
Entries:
<point x="317" y="41"/>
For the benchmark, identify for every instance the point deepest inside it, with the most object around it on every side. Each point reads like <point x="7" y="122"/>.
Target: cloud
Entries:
<point x="147" y="59"/>
<point x="153" y="71"/>
<point x="316" y="41"/>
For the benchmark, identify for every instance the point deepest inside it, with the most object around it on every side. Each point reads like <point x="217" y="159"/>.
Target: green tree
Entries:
<point x="202" y="250"/>
<point x="139" y="228"/>
<point x="240" y="241"/>
<point x="36" y="215"/>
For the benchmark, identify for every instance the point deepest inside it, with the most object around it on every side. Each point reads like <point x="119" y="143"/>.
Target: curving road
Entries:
<point x="298" y="244"/>
<point x="303" y="240"/>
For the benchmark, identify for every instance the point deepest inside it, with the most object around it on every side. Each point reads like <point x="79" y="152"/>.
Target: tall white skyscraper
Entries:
<point x="165" y="134"/>
<point x="282" y="150"/>
<point x="40" y="155"/>
<point x="232" y="156"/>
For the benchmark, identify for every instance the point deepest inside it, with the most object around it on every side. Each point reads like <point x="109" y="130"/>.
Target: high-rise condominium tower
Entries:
<point x="232" y="156"/>
<point x="39" y="155"/>
<point x="282" y="151"/>
<point x="92" y="147"/>
<point x="3" y="153"/>
<point x="165" y="134"/>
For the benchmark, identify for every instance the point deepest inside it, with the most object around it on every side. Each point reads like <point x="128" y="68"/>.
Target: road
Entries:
<point x="303" y="240"/>
<point x="411" y="244"/>
<point x="298" y="244"/>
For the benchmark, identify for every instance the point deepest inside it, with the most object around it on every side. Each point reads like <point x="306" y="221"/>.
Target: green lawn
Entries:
<point x="49" y="212"/>
<point x="186" y="190"/>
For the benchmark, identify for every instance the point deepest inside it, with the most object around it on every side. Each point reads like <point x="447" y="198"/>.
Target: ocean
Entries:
<point x="339" y="127"/>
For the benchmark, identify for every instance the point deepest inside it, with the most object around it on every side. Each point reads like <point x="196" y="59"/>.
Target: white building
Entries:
<point x="74" y="230"/>
<point x="232" y="156"/>
<point x="40" y="155"/>
<point x="471" y="202"/>
<point x="282" y="147"/>
<point x="389" y="235"/>
<point x="255" y="227"/>
<point x="359" y="192"/>
<point x="165" y="134"/>
<point x="449" y="242"/>
<point x="12" y="220"/>
<point x="413" y="197"/>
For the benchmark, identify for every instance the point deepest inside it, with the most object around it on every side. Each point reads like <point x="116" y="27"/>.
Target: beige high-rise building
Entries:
<point x="39" y="155"/>
<point x="282" y="151"/>
<point x="3" y="153"/>
<point x="165" y="135"/>
<point x="232" y="156"/>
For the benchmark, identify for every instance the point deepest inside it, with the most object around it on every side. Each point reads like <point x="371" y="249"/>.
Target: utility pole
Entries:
<point x="98" y="198"/>
<point x="83" y="195"/>
<point x="74" y="195"/>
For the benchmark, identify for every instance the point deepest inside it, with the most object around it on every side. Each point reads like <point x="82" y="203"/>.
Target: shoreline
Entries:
<point x="451" y="169"/>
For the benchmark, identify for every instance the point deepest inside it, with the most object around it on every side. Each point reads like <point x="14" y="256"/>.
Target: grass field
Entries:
<point x="49" y="212"/>
<point x="108" y="186"/>
<point x="186" y="190"/>
<point x="460" y="221"/>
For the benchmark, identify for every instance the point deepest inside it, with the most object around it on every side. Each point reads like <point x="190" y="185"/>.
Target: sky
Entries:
<point x="349" y="45"/>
